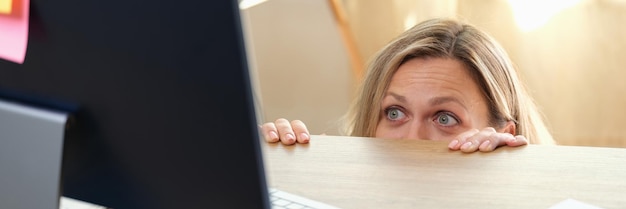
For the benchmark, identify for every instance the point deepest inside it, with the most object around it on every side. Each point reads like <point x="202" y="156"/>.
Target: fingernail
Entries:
<point x="304" y="137"/>
<point x="485" y="144"/>
<point x="273" y="135"/>
<point x="466" y="145"/>
<point x="453" y="144"/>
<point x="290" y="138"/>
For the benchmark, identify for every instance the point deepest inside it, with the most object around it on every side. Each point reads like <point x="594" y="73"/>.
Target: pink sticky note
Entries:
<point x="14" y="32"/>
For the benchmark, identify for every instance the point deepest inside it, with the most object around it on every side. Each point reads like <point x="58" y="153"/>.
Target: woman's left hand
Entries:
<point x="485" y="140"/>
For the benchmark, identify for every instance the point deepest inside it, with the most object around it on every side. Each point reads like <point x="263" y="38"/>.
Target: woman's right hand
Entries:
<point x="286" y="132"/>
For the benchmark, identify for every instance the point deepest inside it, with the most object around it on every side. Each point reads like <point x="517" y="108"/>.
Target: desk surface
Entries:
<point x="352" y="172"/>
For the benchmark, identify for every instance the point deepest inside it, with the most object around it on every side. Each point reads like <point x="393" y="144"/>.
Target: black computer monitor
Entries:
<point x="160" y="98"/>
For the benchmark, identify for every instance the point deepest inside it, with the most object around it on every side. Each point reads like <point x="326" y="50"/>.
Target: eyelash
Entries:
<point x="448" y="113"/>
<point x="390" y="108"/>
<point x="439" y="113"/>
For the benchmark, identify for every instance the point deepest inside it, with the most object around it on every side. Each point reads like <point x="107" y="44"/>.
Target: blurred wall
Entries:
<point x="376" y="22"/>
<point x="575" y="65"/>
<point x="300" y="63"/>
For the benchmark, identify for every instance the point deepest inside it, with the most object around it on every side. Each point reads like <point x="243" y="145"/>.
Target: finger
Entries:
<point x="456" y="143"/>
<point x="494" y="141"/>
<point x="285" y="131"/>
<point x="302" y="133"/>
<point x="472" y="143"/>
<point x="269" y="132"/>
<point x="518" y="140"/>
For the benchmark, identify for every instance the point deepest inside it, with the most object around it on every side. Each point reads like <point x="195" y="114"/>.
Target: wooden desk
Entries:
<point x="351" y="172"/>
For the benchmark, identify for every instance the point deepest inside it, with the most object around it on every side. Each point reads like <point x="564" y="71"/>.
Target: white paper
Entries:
<point x="573" y="204"/>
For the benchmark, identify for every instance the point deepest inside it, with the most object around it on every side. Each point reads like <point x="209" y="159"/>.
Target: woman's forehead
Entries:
<point x="433" y="77"/>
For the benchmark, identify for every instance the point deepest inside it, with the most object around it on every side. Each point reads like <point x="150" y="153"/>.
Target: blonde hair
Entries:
<point x="487" y="62"/>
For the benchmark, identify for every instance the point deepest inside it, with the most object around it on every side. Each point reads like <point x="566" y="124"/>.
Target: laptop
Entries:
<point x="158" y="99"/>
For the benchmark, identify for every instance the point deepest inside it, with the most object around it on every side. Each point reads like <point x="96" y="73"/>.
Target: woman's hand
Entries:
<point x="286" y="132"/>
<point x="485" y="140"/>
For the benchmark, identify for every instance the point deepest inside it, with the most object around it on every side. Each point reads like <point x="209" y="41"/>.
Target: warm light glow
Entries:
<point x="245" y="4"/>
<point x="410" y="21"/>
<point x="532" y="14"/>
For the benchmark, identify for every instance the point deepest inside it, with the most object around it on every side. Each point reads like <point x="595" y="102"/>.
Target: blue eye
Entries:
<point x="446" y="119"/>
<point x="394" y="114"/>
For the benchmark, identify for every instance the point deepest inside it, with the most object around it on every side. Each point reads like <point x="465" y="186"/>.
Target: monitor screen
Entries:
<point x="160" y="100"/>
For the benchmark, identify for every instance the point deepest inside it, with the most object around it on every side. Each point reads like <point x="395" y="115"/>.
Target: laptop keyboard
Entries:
<point x="279" y="200"/>
<point x="284" y="200"/>
<point x="69" y="203"/>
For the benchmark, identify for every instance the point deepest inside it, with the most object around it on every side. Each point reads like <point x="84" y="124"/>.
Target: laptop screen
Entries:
<point x="161" y="104"/>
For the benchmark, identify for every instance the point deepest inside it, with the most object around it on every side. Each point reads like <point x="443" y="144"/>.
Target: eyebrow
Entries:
<point x="433" y="101"/>
<point x="398" y="97"/>
<point x="446" y="99"/>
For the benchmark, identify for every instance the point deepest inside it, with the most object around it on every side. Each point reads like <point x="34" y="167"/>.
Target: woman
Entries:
<point x="440" y="80"/>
